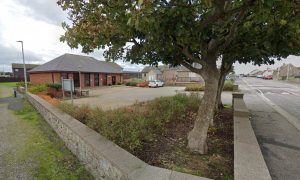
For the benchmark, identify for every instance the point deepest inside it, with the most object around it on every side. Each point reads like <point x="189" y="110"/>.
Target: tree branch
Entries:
<point x="232" y="31"/>
<point x="191" y="68"/>
<point x="186" y="52"/>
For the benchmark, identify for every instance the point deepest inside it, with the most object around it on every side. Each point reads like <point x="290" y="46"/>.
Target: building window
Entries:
<point x="16" y="70"/>
<point x="96" y="79"/>
<point x="87" y="79"/>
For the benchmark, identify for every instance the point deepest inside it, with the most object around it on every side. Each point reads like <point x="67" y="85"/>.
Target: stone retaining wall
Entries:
<point x="249" y="163"/>
<point x="103" y="158"/>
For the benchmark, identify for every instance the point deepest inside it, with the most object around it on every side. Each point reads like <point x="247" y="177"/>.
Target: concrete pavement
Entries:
<point x="278" y="138"/>
<point x="120" y="96"/>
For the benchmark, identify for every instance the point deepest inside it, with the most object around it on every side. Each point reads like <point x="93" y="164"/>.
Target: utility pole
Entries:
<point x="288" y="71"/>
<point x="278" y="69"/>
<point x="25" y="73"/>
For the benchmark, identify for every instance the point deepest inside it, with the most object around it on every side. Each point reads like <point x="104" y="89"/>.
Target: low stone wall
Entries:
<point x="103" y="158"/>
<point x="249" y="163"/>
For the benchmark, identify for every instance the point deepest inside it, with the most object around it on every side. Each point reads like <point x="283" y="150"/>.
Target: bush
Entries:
<point x="228" y="85"/>
<point x="129" y="127"/>
<point x="131" y="83"/>
<point x="55" y="86"/>
<point x="194" y="87"/>
<point x="142" y="84"/>
<point x="54" y="93"/>
<point x="38" y="88"/>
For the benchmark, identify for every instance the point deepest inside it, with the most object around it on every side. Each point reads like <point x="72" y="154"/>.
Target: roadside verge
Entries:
<point x="249" y="163"/>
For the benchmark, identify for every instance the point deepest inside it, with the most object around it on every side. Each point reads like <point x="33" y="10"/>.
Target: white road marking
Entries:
<point x="290" y="118"/>
<point x="285" y="93"/>
<point x="292" y="93"/>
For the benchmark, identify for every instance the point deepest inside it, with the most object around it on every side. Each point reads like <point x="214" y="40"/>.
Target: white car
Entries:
<point x="156" y="83"/>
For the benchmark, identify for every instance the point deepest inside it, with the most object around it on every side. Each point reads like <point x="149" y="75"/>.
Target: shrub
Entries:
<point x="38" y="88"/>
<point x="129" y="127"/>
<point x="54" y="93"/>
<point x="55" y="86"/>
<point x="80" y="113"/>
<point x="131" y="83"/>
<point x="194" y="87"/>
<point x="228" y="85"/>
<point x="142" y="84"/>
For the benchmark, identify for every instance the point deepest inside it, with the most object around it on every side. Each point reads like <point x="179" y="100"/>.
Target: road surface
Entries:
<point x="275" y="117"/>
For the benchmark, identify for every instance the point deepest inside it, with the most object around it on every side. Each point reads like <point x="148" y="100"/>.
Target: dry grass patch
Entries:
<point x="156" y="132"/>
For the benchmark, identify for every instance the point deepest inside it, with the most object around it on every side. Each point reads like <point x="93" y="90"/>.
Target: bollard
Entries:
<point x="15" y="92"/>
<point x="235" y="88"/>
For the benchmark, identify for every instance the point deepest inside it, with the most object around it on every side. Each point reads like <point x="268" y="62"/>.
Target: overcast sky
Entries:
<point x="38" y="24"/>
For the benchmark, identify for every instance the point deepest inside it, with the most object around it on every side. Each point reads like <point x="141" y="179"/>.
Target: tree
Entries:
<point x="172" y="32"/>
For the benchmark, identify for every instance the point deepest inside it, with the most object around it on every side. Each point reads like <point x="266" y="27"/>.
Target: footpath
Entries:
<point x="278" y="139"/>
<point x="11" y="167"/>
<point x="29" y="148"/>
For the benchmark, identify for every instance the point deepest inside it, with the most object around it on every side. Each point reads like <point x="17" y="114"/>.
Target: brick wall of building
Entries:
<point x="91" y="80"/>
<point x="55" y="77"/>
<point x="38" y="78"/>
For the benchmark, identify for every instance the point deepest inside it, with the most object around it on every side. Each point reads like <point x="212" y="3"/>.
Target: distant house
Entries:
<point x="286" y="70"/>
<point x="255" y="72"/>
<point x="18" y="69"/>
<point x="152" y="73"/>
<point x="131" y="74"/>
<point x="92" y="72"/>
<point x="170" y="74"/>
<point x="267" y="72"/>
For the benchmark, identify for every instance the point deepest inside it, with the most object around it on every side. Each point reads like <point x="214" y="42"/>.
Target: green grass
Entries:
<point x="8" y="84"/>
<point x="43" y="147"/>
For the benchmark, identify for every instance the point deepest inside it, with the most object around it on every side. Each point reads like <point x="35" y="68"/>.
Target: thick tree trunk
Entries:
<point x="198" y="135"/>
<point x="225" y="69"/>
<point x="219" y="104"/>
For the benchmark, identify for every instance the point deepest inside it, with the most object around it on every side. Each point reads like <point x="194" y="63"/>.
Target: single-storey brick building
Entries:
<point x="92" y="72"/>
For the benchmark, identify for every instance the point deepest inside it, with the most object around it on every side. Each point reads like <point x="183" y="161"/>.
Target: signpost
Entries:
<point x="67" y="85"/>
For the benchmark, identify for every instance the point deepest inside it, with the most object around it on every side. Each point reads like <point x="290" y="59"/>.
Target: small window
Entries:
<point x="16" y="70"/>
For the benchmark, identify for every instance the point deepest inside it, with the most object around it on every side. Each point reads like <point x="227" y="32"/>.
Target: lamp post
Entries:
<point x="25" y="74"/>
<point x="288" y="72"/>
<point x="79" y="80"/>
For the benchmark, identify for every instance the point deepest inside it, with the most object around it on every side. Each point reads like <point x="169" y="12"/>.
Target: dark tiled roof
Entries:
<point x="72" y="62"/>
<point x="29" y="66"/>
<point x="149" y="68"/>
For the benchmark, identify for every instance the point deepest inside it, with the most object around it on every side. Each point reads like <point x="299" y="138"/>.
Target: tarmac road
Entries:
<point x="283" y="94"/>
<point x="275" y="117"/>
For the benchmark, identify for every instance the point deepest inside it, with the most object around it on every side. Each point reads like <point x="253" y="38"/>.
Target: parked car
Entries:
<point x="269" y="77"/>
<point x="156" y="83"/>
<point x="259" y="76"/>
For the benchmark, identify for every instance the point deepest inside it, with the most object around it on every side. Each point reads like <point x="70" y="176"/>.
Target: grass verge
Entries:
<point x="156" y="132"/>
<point x="43" y="147"/>
<point x="8" y="84"/>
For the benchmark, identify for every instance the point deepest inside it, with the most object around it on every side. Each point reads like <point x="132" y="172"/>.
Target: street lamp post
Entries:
<point x="288" y="72"/>
<point x="25" y="73"/>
